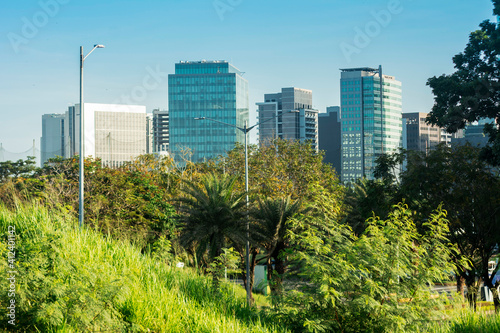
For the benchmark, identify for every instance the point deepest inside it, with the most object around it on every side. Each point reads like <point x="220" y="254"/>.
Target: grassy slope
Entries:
<point x="70" y="280"/>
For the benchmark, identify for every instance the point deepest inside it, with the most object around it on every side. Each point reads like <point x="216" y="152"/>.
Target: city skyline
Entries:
<point x="279" y="44"/>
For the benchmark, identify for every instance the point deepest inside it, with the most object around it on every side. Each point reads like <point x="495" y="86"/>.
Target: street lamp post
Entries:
<point x="245" y="130"/>
<point x="82" y="136"/>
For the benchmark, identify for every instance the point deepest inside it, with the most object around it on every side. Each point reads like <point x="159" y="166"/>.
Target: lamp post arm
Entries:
<point x="273" y="117"/>
<point x="221" y="122"/>
<point x="244" y="129"/>
<point x="97" y="46"/>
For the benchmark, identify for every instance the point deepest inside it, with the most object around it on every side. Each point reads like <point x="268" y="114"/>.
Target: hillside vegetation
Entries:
<point x="70" y="280"/>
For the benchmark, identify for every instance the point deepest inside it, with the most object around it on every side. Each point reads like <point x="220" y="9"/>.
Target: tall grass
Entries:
<point x="72" y="280"/>
<point x="470" y="322"/>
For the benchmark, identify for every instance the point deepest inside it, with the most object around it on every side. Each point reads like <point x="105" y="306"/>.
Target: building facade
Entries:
<point x="371" y="108"/>
<point x="160" y="130"/>
<point x="52" y="143"/>
<point x="419" y="135"/>
<point x="211" y="89"/>
<point x="473" y="133"/>
<point x="330" y="137"/>
<point x="113" y="133"/>
<point x="149" y="134"/>
<point x="288" y="115"/>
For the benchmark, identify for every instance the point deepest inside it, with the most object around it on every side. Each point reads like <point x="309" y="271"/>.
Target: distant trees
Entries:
<point x="19" y="168"/>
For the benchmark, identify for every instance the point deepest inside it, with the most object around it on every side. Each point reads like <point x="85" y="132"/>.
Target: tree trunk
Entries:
<point x="496" y="299"/>
<point x="252" y="263"/>
<point x="494" y="291"/>
<point x="472" y="291"/>
<point x="276" y="281"/>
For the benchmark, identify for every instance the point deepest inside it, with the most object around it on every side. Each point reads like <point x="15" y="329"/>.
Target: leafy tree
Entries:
<point x="378" y="282"/>
<point x="366" y="198"/>
<point x="470" y="192"/>
<point x="129" y="202"/>
<point x="279" y="168"/>
<point x="219" y="267"/>
<point x="472" y="92"/>
<point x="20" y="168"/>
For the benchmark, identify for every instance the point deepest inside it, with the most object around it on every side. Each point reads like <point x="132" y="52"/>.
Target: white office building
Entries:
<point x="114" y="133"/>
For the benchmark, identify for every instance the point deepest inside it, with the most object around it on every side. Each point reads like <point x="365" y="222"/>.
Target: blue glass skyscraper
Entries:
<point x="371" y="120"/>
<point x="212" y="89"/>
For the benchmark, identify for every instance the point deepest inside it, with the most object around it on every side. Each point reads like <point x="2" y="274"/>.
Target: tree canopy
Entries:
<point x="472" y="92"/>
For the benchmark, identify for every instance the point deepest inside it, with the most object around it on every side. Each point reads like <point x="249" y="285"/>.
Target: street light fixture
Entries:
<point x="245" y="130"/>
<point x="82" y="136"/>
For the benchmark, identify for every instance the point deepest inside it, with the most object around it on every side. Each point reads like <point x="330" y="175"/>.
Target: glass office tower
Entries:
<point x="371" y="119"/>
<point x="212" y="89"/>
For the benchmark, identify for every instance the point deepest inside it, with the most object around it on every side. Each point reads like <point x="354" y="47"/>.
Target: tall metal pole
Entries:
<point x="82" y="135"/>
<point x="381" y="108"/>
<point x="247" y="257"/>
<point x="82" y="145"/>
<point x="245" y="130"/>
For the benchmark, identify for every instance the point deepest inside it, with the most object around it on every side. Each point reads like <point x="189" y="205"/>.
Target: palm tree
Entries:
<point x="272" y="216"/>
<point x="212" y="215"/>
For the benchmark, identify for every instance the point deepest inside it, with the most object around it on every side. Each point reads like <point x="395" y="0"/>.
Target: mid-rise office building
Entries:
<point x="330" y="136"/>
<point x="473" y="133"/>
<point x="420" y="136"/>
<point x="288" y="115"/>
<point x="371" y="119"/>
<point x="52" y="143"/>
<point x="160" y="130"/>
<point x="210" y="89"/>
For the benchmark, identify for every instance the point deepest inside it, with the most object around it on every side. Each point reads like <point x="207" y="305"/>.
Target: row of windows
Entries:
<point x="205" y="68"/>
<point x="347" y="89"/>
<point x="197" y="89"/>
<point x="204" y="80"/>
<point x="351" y="122"/>
<point x="350" y="83"/>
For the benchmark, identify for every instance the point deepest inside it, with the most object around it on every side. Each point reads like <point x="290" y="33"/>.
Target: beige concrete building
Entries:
<point x="419" y="135"/>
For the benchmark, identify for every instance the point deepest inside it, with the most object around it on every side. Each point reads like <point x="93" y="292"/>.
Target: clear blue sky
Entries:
<point x="277" y="44"/>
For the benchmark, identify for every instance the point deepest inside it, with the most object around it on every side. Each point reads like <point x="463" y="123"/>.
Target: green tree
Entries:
<point x="378" y="282"/>
<point x="212" y="216"/>
<point x="469" y="190"/>
<point x="472" y="92"/>
<point x="366" y="198"/>
<point x="279" y="168"/>
<point x="20" y="168"/>
<point x="130" y="202"/>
